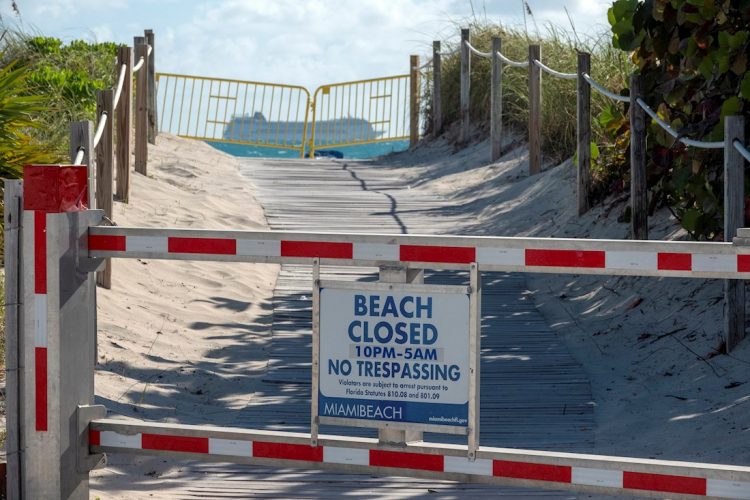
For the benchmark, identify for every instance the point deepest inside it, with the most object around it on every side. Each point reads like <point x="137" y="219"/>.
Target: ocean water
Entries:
<point x="359" y="152"/>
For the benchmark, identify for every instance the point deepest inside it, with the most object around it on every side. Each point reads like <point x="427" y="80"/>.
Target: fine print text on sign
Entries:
<point x="394" y="354"/>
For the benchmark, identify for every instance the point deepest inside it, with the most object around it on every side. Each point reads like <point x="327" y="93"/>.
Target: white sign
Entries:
<point x="394" y="353"/>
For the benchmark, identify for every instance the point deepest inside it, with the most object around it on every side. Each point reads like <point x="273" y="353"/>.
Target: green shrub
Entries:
<point x="67" y="76"/>
<point x="18" y="119"/>
<point x="559" y="50"/>
<point x="693" y="58"/>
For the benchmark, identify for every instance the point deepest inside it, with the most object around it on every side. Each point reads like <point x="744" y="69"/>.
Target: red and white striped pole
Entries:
<point x="57" y="331"/>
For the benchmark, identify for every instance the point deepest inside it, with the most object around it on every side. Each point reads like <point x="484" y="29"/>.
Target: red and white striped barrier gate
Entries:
<point x="62" y="434"/>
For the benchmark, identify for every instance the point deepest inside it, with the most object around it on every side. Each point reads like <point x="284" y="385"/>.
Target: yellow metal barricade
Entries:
<point x="233" y="111"/>
<point x="283" y="116"/>
<point x="360" y="112"/>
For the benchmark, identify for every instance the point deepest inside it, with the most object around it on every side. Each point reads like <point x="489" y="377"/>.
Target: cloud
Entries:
<point x="57" y="9"/>
<point x="308" y="42"/>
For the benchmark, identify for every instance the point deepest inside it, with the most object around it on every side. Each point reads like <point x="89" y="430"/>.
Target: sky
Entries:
<point x="299" y="42"/>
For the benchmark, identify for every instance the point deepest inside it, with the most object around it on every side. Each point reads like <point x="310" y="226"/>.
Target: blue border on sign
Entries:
<point x="394" y="411"/>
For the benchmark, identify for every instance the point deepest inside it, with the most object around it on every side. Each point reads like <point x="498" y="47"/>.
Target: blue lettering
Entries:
<point x="374" y="305"/>
<point x="360" y="305"/>
<point x="402" y="306"/>
<point x="389" y="308"/>
<point x="424" y="307"/>
<point x="429" y="334"/>
<point x="352" y="335"/>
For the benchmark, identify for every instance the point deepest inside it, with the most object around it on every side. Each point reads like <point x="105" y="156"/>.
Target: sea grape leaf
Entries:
<point x="594" y="151"/>
<point x="745" y="86"/>
<point x="731" y="106"/>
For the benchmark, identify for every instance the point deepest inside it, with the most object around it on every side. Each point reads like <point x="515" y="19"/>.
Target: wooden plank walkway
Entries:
<point x="534" y="394"/>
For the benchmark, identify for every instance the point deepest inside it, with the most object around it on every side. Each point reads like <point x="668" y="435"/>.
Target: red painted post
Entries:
<point x="58" y="329"/>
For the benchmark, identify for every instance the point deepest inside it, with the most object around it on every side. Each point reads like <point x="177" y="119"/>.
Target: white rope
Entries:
<point x="604" y="91"/>
<point x="79" y="156"/>
<point x="139" y="65"/>
<point x="741" y="149"/>
<point x="566" y="76"/>
<point x="673" y="132"/>
<point x="477" y="52"/>
<point x="509" y="62"/>
<point x="150" y="48"/>
<point x="120" y="83"/>
<point x="100" y="129"/>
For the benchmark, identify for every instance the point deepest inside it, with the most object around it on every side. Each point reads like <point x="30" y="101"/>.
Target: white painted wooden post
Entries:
<point x="57" y="336"/>
<point x="12" y="259"/>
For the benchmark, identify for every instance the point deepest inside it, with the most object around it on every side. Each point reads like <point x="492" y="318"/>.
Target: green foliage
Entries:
<point x="559" y="49"/>
<point x="693" y="57"/>
<point x="18" y="119"/>
<point x="68" y="76"/>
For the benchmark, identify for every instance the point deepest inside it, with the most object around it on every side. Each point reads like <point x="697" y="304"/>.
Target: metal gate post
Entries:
<point x="58" y="326"/>
<point x="400" y="274"/>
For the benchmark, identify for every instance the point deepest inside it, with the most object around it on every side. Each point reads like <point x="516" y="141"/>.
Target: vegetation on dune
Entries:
<point x="693" y="57"/>
<point x="609" y="66"/>
<point x="66" y="76"/>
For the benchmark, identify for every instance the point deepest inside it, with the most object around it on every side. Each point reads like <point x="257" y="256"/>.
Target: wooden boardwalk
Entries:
<point x="534" y="394"/>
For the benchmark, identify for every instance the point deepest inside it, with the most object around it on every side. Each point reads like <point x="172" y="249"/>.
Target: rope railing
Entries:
<point x="447" y="53"/>
<point x="602" y="90"/>
<point x="558" y="74"/>
<point x="667" y="128"/>
<point x="741" y="149"/>
<point x="477" y="52"/>
<point x="100" y="128"/>
<point x="510" y="62"/>
<point x="120" y="83"/>
<point x="79" y="156"/>
<point x="139" y="65"/>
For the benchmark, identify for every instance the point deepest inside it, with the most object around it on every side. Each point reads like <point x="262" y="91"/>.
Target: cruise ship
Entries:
<point x="257" y="129"/>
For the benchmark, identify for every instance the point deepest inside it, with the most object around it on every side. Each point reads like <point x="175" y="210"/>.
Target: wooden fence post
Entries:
<point x="124" y="113"/>
<point x="13" y="193"/>
<point x="734" y="218"/>
<point x="141" y="107"/>
<point x="465" y="85"/>
<point x="638" y="187"/>
<point x="496" y="102"/>
<point x="104" y="171"/>
<point x="584" y="133"/>
<point x="153" y="129"/>
<point x="437" y="106"/>
<point x="413" y="101"/>
<point x="535" y="110"/>
<point x="82" y="136"/>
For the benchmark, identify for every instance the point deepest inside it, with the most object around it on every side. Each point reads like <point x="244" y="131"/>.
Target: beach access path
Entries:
<point x="246" y="361"/>
<point x="534" y="394"/>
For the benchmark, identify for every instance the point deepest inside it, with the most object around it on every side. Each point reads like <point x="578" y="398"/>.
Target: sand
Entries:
<point x="649" y="345"/>
<point x="173" y="335"/>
